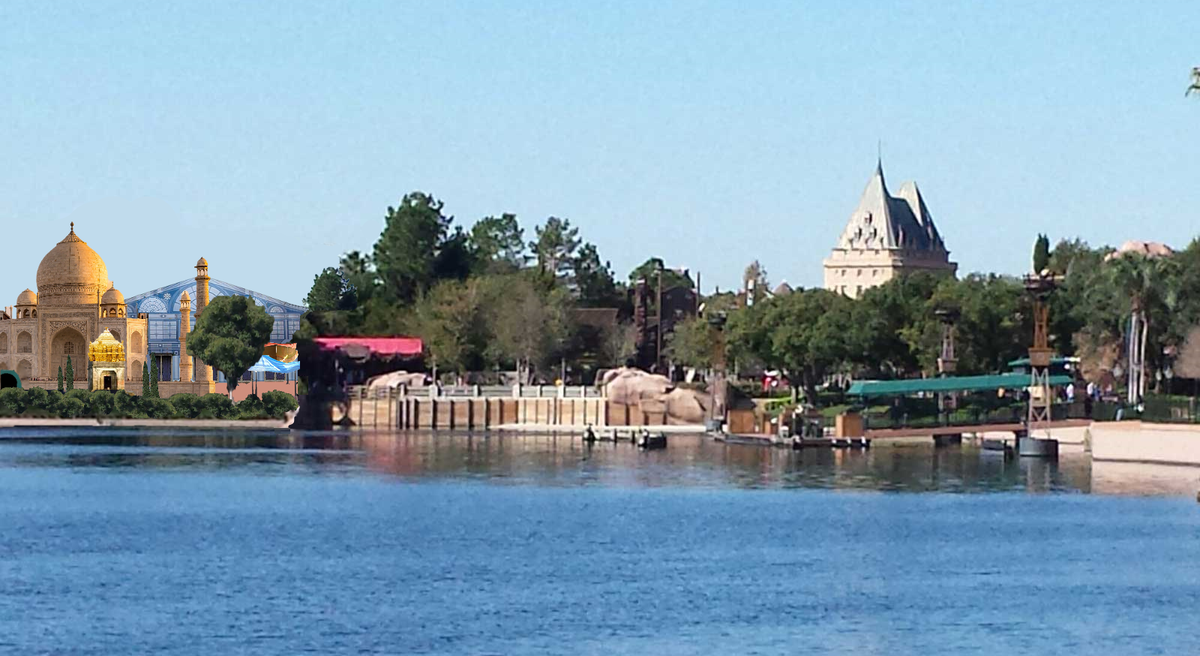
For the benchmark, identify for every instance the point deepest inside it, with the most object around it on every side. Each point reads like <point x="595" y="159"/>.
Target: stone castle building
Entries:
<point x="887" y="236"/>
<point x="74" y="305"/>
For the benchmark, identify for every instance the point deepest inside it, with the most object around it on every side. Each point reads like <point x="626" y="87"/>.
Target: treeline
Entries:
<point x="483" y="299"/>
<point x="894" y="330"/>
<point x="487" y="299"/>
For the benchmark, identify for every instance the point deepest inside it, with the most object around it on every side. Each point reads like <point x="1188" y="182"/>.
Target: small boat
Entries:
<point x="1001" y="446"/>
<point x="831" y="442"/>
<point x="648" y="441"/>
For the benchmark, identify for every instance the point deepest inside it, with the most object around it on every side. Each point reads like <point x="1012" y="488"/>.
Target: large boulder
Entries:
<point x="629" y="386"/>
<point x="685" y="406"/>
<point x="396" y="379"/>
<point x="655" y="393"/>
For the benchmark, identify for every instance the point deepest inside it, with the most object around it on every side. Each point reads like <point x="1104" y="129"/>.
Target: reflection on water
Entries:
<point x="201" y="543"/>
<point x="564" y="460"/>
<point x="1140" y="478"/>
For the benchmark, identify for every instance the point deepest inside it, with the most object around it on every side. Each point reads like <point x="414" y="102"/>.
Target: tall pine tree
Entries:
<point x="1041" y="253"/>
<point x="89" y="375"/>
<point x="154" y="380"/>
<point x="69" y="374"/>
<point x="60" y="381"/>
<point x="145" y="380"/>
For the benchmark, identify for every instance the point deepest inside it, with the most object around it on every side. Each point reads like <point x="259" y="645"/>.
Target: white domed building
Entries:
<point x="75" y="302"/>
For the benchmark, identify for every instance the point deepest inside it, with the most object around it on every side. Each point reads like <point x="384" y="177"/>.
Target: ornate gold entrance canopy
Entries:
<point x="106" y="348"/>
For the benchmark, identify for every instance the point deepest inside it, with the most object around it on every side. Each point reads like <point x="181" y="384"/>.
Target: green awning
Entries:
<point x="951" y="384"/>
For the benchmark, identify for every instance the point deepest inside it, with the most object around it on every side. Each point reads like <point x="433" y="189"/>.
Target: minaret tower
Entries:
<point x="185" y="326"/>
<point x="203" y="371"/>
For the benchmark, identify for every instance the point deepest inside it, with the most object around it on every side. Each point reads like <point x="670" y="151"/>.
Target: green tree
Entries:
<point x="531" y="324"/>
<point x="555" y="246"/>
<point x="803" y="334"/>
<point x="360" y="275"/>
<point x="593" y="282"/>
<point x="60" y="381"/>
<point x="331" y="291"/>
<point x="230" y="335"/>
<point x="693" y="343"/>
<point x="1076" y="303"/>
<point x="145" y="380"/>
<point x="69" y="375"/>
<point x="409" y="245"/>
<point x="153" y="380"/>
<point x="499" y="244"/>
<point x="450" y="321"/>
<point x="1041" y="254"/>
<point x="455" y="258"/>
<point x="994" y="325"/>
<point x="887" y="336"/>
<point x="649" y="269"/>
<point x="1149" y="284"/>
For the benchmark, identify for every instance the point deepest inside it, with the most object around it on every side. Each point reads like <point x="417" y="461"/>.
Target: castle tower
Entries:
<point x="203" y="372"/>
<point x="185" y="326"/>
<point x="887" y="236"/>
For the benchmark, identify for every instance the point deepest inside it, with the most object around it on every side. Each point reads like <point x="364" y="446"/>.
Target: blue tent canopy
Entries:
<point x="269" y="364"/>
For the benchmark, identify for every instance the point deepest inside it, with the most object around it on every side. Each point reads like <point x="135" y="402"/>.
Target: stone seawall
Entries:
<point x="391" y="412"/>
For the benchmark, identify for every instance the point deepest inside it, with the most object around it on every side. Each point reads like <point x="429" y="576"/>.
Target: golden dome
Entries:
<point x="202" y="263"/>
<point x="112" y="297"/>
<point x="71" y="273"/>
<point x="27" y="297"/>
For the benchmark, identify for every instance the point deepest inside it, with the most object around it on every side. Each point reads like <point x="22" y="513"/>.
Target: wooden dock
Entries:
<point x="934" y="431"/>
<point x="758" y="439"/>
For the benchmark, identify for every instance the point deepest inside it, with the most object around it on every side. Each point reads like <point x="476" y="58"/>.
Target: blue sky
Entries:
<point x="270" y="137"/>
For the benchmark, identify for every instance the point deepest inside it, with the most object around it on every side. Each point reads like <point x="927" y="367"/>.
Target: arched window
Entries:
<point x="24" y="343"/>
<point x="26" y="315"/>
<point x="103" y="314"/>
<point x="35" y="314"/>
<point x="4" y="343"/>
<point x="69" y="348"/>
<point x="135" y="342"/>
<point x="25" y="369"/>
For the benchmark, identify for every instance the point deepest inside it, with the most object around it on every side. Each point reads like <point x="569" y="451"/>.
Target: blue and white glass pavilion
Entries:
<point x="162" y="307"/>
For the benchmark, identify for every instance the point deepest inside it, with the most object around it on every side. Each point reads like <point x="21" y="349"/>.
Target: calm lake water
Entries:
<point x="134" y="542"/>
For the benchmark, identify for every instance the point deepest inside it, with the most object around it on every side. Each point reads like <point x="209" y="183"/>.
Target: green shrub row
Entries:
<point x="37" y="402"/>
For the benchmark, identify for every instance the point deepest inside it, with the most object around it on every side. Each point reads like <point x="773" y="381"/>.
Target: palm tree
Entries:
<point x="1144" y="280"/>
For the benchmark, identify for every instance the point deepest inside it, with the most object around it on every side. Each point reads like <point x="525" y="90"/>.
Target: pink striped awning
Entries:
<point x="408" y="346"/>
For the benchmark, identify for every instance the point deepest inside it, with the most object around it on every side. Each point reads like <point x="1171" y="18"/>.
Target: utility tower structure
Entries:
<point x="947" y="362"/>
<point x="718" y="385"/>
<point x="1041" y="396"/>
